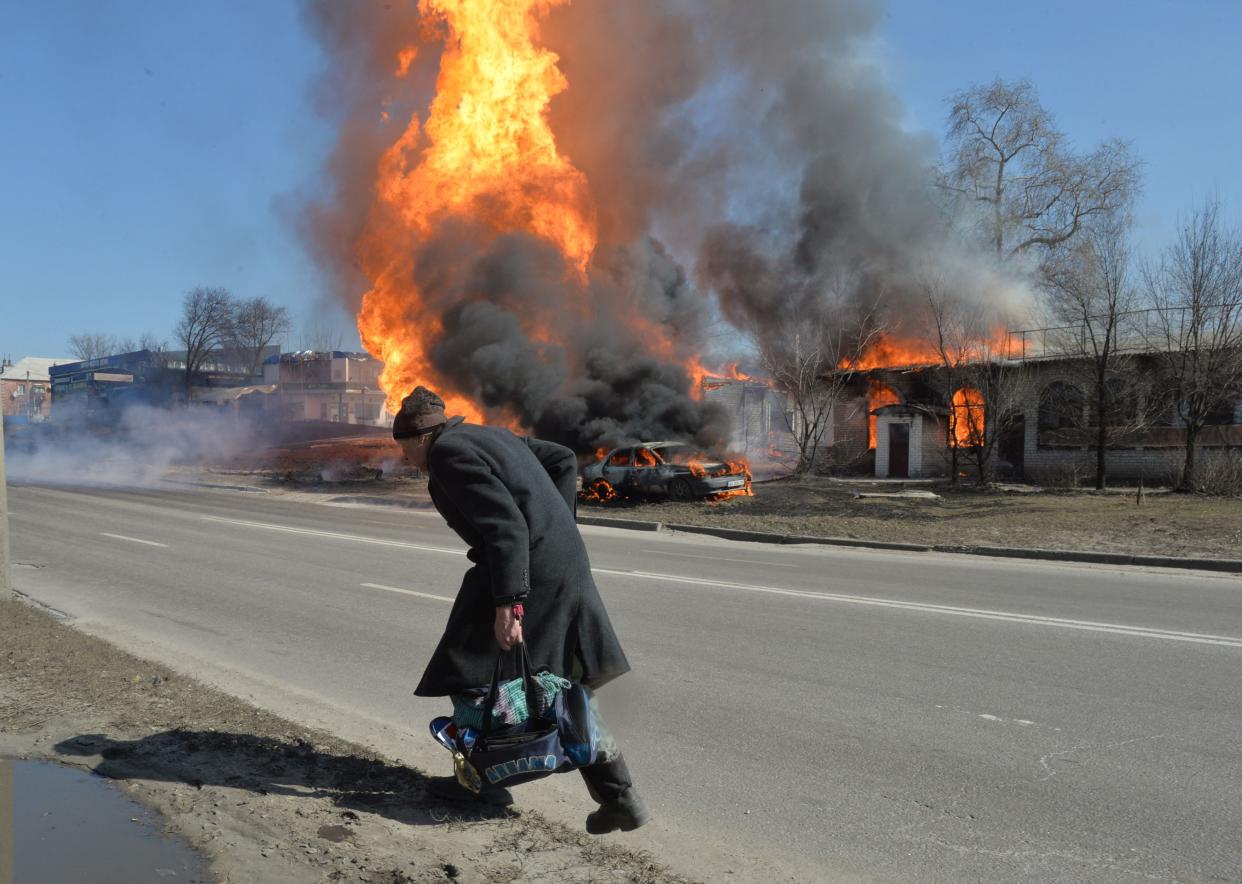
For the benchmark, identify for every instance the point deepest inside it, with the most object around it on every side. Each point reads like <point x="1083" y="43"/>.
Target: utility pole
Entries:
<point x="6" y="821"/>
<point x="6" y="584"/>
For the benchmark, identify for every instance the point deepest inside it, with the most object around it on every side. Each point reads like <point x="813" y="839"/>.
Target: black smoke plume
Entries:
<point x="756" y="142"/>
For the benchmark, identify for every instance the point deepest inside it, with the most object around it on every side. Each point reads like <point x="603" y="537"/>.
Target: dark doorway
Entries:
<point x="899" y="451"/>
<point x="1012" y="448"/>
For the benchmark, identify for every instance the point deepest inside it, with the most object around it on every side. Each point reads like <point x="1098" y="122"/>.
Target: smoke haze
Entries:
<point x="137" y="453"/>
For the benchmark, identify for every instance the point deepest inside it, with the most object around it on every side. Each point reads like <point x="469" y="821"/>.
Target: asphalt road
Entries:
<point x="798" y="712"/>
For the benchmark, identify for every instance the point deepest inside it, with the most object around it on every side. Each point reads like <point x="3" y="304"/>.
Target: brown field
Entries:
<point x="1165" y="524"/>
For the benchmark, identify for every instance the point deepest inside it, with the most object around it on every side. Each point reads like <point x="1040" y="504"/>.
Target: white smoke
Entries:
<point x="140" y="451"/>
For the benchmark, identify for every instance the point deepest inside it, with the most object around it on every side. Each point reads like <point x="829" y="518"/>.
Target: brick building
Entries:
<point x="330" y="385"/>
<point x="26" y="388"/>
<point x="897" y="423"/>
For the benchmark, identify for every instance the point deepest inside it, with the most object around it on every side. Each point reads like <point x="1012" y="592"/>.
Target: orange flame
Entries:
<point x="599" y="491"/>
<point x="404" y="59"/>
<point x="486" y="152"/>
<point x="706" y="379"/>
<point x="645" y="458"/>
<point x="968" y="417"/>
<point x="890" y="351"/>
<point x="879" y="394"/>
<point x="732" y="467"/>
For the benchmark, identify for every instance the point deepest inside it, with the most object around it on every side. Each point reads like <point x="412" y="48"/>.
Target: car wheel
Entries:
<point x="679" y="490"/>
<point x="602" y="491"/>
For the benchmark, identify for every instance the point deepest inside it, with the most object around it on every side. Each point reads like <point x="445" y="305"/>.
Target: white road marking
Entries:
<point x="421" y="595"/>
<point x="133" y="539"/>
<point x="663" y="552"/>
<point x="357" y="538"/>
<point x="950" y="610"/>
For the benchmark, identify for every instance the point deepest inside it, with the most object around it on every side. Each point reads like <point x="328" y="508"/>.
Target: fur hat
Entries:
<point x="420" y="412"/>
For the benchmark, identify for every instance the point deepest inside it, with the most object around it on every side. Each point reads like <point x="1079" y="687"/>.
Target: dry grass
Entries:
<point x="1165" y="524"/>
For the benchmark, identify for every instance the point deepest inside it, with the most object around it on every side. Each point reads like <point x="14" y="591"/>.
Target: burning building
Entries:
<point x="761" y="417"/>
<point x="1012" y="412"/>
<point x="554" y="248"/>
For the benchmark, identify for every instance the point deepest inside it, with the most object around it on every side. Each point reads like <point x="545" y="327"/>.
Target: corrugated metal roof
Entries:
<point x="37" y="367"/>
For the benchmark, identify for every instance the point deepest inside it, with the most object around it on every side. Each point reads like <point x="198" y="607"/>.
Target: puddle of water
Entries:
<point x="68" y="825"/>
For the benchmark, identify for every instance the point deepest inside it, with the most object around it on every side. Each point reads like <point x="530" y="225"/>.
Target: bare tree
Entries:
<point x="958" y="337"/>
<point x="986" y="406"/>
<point x="206" y="320"/>
<point x="256" y="324"/>
<point x="146" y="341"/>
<point x="1092" y="291"/>
<point x="1007" y="158"/>
<point x="812" y="358"/>
<point x="982" y="393"/>
<point x="1196" y="290"/>
<point x="320" y="335"/>
<point x="92" y="345"/>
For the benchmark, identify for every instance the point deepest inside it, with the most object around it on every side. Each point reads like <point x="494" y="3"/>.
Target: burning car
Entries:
<point x="676" y="469"/>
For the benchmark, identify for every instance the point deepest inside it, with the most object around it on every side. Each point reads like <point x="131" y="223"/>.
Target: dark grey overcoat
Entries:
<point x="512" y="500"/>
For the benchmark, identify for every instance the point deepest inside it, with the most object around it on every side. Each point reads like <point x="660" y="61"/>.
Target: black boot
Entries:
<point x="625" y="813"/>
<point x="620" y="807"/>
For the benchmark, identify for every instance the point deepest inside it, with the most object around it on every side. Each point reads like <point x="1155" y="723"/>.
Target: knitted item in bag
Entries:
<point x="511" y="706"/>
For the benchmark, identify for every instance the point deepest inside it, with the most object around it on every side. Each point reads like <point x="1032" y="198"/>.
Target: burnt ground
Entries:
<point x="262" y="798"/>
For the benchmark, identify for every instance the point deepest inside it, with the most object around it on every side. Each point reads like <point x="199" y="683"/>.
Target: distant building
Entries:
<point x="26" y="388"/>
<point x="328" y="386"/>
<point x="332" y="385"/>
<point x="100" y="389"/>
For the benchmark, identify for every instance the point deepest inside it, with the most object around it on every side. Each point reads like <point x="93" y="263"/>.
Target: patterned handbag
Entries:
<point x="562" y="734"/>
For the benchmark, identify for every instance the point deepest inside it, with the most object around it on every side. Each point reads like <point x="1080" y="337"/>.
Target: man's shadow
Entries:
<point x="267" y="766"/>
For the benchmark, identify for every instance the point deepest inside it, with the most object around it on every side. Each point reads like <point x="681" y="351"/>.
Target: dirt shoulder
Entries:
<point x="1165" y="524"/>
<point x="263" y="798"/>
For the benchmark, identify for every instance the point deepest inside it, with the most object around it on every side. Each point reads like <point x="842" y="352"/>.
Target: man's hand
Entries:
<point x="508" y="627"/>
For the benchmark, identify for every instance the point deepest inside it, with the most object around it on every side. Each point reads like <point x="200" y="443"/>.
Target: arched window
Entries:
<point x="968" y="419"/>
<point x="1060" y="407"/>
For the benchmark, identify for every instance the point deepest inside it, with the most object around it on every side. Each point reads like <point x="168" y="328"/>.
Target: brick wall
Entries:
<point x="1153" y="453"/>
<point x="758" y="416"/>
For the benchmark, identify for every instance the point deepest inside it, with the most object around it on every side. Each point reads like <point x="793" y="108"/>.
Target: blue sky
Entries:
<point x="148" y="145"/>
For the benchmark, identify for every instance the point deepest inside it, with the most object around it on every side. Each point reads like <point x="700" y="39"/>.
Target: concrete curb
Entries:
<point x="631" y="524"/>
<point x="220" y="486"/>
<point x="409" y="503"/>
<point x="1227" y="566"/>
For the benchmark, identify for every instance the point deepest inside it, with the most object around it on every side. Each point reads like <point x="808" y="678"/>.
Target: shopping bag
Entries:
<point x="506" y="755"/>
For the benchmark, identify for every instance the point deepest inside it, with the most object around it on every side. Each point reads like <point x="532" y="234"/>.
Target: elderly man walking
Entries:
<point x="512" y="500"/>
